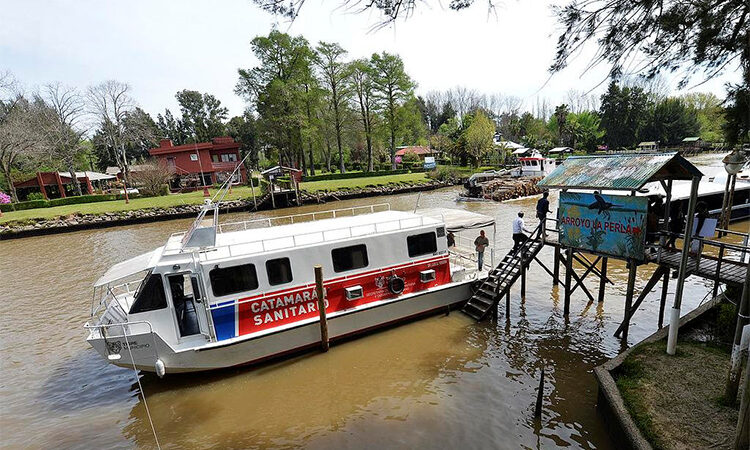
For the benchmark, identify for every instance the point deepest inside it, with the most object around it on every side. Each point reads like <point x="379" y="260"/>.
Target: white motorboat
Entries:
<point x="233" y="294"/>
<point x="534" y="165"/>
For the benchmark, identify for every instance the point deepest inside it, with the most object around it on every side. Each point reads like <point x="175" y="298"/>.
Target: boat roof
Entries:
<point x="130" y="267"/>
<point x="458" y="219"/>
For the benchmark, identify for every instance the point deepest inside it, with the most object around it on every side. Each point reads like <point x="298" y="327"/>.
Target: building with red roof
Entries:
<point x="419" y="150"/>
<point x="206" y="162"/>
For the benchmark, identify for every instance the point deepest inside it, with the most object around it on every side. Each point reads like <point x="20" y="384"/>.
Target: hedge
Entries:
<point x="73" y="200"/>
<point x="343" y="176"/>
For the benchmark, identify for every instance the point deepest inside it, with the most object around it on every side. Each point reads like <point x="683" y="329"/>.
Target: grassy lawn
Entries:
<point x="194" y="198"/>
<point x="190" y="198"/>
<point x="351" y="183"/>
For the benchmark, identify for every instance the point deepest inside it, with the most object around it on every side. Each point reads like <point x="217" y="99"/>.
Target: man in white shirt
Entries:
<point x="518" y="229"/>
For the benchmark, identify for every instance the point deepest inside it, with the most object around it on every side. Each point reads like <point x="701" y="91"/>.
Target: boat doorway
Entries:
<point x="183" y="297"/>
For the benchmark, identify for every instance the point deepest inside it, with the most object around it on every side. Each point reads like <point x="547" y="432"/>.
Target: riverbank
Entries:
<point x="653" y="400"/>
<point x="35" y="226"/>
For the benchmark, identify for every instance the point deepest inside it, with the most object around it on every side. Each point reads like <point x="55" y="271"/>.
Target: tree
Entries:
<point x="737" y="126"/>
<point x="274" y="89"/>
<point x="563" y="128"/>
<point x="393" y="86"/>
<point x="202" y="115"/>
<point x="335" y="75"/>
<point x="243" y="130"/>
<point x="20" y="136"/>
<point x="478" y="137"/>
<point x="153" y="178"/>
<point x="363" y="87"/>
<point x="171" y="128"/>
<point x="651" y="37"/>
<point x="64" y="128"/>
<point x="110" y="102"/>
<point x="710" y="115"/>
<point x="623" y="115"/>
<point x="586" y="130"/>
<point x="670" y="121"/>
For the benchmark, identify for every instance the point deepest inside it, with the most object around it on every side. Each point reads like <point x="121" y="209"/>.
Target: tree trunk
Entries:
<point x="342" y="169"/>
<point x="73" y="177"/>
<point x="312" y="159"/>
<point x="11" y="188"/>
<point x="369" y="152"/>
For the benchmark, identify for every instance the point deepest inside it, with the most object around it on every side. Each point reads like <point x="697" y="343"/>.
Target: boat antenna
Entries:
<point x="224" y="188"/>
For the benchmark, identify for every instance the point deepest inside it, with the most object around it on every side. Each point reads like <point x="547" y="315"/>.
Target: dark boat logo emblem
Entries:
<point x="114" y="347"/>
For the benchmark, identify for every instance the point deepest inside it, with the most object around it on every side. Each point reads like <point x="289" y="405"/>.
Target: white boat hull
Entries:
<point x="245" y="350"/>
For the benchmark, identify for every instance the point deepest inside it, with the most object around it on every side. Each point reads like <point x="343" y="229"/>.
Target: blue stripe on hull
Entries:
<point x="224" y="321"/>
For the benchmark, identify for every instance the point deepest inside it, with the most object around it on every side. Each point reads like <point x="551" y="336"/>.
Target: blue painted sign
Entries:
<point x="610" y="224"/>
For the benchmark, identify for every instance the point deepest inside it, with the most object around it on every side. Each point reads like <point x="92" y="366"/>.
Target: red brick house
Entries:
<point x="214" y="160"/>
<point x="418" y="150"/>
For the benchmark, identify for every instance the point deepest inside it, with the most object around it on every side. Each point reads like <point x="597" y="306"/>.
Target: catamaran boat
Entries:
<point x="223" y="295"/>
<point x="534" y="165"/>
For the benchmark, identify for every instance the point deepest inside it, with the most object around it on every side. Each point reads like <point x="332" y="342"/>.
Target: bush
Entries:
<point x="152" y="180"/>
<point x="342" y="176"/>
<point x="20" y="206"/>
<point x="445" y="174"/>
<point x="35" y="196"/>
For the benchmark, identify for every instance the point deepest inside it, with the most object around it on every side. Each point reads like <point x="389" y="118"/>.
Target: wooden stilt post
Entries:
<point x="603" y="279"/>
<point x="663" y="299"/>
<point x="321" y="307"/>
<point x="539" y="397"/>
<point x="507" y="303"/>
<point x="632" y="268"/>
<point x="523" y="275"/>
<point x="568" y="278"/>
<point x="556" y="268"/>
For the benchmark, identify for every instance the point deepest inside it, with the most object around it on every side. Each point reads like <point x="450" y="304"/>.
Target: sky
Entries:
<point x="160" y="47"/>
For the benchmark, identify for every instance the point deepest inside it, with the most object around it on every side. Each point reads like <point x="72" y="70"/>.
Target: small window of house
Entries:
<point x="228" y="157"/>
<point x="193" y="157"/>
<point x="215" y="158"/>
<point x="279" y="271"/>
<point x="231" y="280"/>
<point x="349" y="258"/>
<point x="150" y="296"/>
<point x="421" y="244"/>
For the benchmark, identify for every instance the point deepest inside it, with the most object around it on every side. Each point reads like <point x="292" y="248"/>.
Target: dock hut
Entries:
<point x="599" y="213"/>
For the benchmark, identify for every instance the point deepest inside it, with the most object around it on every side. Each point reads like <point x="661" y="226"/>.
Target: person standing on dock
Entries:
<point x="542" y="209"/>
<point x="481" y="243"/>
<point x="518" y="231"/>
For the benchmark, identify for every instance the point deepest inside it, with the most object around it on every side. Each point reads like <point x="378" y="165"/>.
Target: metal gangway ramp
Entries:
<point x="500" y="280"/>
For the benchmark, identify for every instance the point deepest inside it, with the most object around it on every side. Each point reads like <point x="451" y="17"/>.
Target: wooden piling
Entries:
<point x="603" y="279"/>
<point x="556" y="267"/>
<point x="321" y="307"/>
<point x="632" y="268"/>
<point x="568" y="278"/>
<point x="539" y="397"/>
<point x="523" y="276"/>
<point x="663" y="299"/>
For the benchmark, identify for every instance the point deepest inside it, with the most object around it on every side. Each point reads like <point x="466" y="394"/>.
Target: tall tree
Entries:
<point x="20" y="135"/>
<point x="243" y="130"/>
<point x="274" y="90"/>
<point x="335" y="74"/>
<point x="670" y="121"/>
<point x="478" y="137"/>
<point x="110" y="103"/>
<point x="362" y="84"/>
<point x="64" y="125"/>
<point x="202" y="115"/>
<point x="393" y="86"/>
<point x="624" y="115"/>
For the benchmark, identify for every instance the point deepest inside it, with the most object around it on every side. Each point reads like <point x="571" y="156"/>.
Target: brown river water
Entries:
<point x="441" y="382"/>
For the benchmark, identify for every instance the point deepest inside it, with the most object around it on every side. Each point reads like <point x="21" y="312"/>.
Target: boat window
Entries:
<point x="349" y="258"/>
<point x="230" y="280"/>
<point x="151" y="296"/>
<point x="279" y="271"/>
<point x="421" y="244"/>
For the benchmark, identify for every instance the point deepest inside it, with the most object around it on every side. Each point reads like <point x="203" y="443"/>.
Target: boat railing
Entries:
<point x="112" y="292"/>
<point x="304" y="217"/>
<point x="313" y="237"/>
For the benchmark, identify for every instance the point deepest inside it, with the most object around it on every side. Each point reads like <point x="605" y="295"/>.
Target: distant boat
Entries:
<point x="534" y="165"/>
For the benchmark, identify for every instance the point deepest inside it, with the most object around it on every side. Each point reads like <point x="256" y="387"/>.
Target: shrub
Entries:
<point x="35" y="196"/>
<point x="342" y="176"/>
<point x="152" y="179"/>
<point x="20" y="206"/>
<point x="445" y="174"/>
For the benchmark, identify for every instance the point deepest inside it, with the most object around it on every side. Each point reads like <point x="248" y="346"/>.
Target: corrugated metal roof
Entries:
<point x="619" y="172"/>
